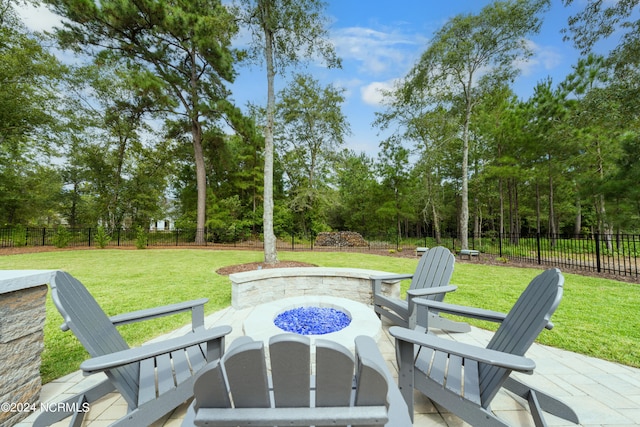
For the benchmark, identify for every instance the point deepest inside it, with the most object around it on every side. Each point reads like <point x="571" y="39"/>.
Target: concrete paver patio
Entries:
<point x="602" y="393"/>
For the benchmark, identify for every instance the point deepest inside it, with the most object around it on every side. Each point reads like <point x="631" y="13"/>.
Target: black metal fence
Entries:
<point x="617" y="254"/>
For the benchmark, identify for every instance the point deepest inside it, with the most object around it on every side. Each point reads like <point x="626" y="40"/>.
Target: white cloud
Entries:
<point x="545" y="57"/>
<point x="348" y="85"/>
<point x="377" y="51"/>
<point x="372" y="94"/>
<point x="38" y="18"/>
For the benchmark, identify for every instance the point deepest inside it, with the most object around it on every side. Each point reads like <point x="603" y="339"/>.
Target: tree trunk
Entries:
<point x="201" y="181"/>
<point x="552" y="222"/>
<point x="501" y="192"/>
<point x="606" y="230"/>
<point x="436" y="224"/>
<point x="538" y="214"/>
<point x="578" y="225"/>
<point x="464" y="192"/>
<point x="514" y="222"/>
<point x="270" y="252"/>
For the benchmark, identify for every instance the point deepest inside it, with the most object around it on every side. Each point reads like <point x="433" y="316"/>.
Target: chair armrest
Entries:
<point x="480" y="354"/>
<point x="382" y="278"/>
<point x="464" y="311"/>
<point x="431" y="291"/>
<point x="167" y="310"/>
<point x="131" y="355"/>
<point x="376" y="281"/>
<point x="461" y="310"/>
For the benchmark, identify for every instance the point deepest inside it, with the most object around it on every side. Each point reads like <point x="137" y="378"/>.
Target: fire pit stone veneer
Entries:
<point x="252" y="288"/>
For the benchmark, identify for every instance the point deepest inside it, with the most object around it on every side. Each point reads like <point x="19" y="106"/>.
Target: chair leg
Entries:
<point x="545" y="402"/>
<point x="536" y="411"/>
<point x="66" y="408"/>
<point x="405" y="357"/>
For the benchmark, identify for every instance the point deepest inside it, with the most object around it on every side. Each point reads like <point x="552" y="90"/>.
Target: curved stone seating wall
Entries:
<point x="251" y="288"/>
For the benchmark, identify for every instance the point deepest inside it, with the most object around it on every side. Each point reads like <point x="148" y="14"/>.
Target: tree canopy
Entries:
<point x="141" y="126"/>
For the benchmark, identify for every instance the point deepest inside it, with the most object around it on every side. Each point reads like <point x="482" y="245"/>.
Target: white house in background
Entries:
<point x="162" y="225"/>
<point x="168" y="223"/>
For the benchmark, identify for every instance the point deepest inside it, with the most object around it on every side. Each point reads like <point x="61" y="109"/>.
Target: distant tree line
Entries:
<point x="143" y="127"/>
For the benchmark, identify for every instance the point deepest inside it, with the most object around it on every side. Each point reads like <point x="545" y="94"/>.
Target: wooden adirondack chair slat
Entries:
<point x="147" y="389"/>
<point x="455" y="374"/>
<point x="197" y="359"/>
<point x="334" y="374"/>
<point x="290" y="371"/>
<point x="181" y="366"/>
<point x="211" y="389"/>
<point x="246" y="373"/>
<point x="164" y="373"/>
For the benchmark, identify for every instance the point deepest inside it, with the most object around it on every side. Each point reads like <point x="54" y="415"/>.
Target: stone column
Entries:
<point x="22" y="315"/>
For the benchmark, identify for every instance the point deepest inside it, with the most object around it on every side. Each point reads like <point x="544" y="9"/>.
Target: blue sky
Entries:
<point x="379" y="41"/>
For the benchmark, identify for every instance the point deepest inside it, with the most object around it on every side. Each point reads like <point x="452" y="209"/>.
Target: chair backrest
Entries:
<point x="94" y="330"/>
<point x="522" y="325"/>
<point x="240" y="379"/>
<point x="434" y="269"/>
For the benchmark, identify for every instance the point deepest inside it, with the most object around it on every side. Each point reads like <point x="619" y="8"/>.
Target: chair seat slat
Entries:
<point x="438" y="369"/>
<point x="181" y="367"/>
<point x="196" y="358"/>
<point x="164" y="373"/>
<point x="471" y="383"/>
<point x="147" y="390"/>
<point x="424" y="359"/>
<point x="455" y="374"/>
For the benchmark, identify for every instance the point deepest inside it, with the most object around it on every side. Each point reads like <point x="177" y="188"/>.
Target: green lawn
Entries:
<point x="597" y="317"/>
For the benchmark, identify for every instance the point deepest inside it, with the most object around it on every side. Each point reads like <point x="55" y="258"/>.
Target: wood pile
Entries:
<point x="340" y="239"/>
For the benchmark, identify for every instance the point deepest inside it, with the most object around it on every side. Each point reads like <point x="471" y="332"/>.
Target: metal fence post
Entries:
<point x="538" y="245"/>
<point x="598" y="266"/>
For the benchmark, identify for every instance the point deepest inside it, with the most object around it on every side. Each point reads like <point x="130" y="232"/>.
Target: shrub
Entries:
<point x="102" y="237"/>
<point x="141" y="238"/>
<point x="19" y="236"/>
<point x="62" y="237"/>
